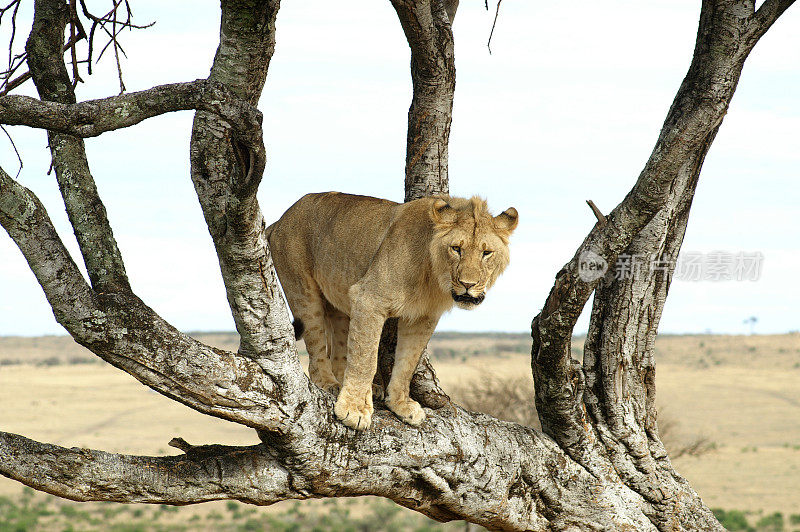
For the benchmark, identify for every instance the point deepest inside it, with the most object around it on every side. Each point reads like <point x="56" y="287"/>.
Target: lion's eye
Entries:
<point x="457" y="249"/>
<point x="487" y="253"/>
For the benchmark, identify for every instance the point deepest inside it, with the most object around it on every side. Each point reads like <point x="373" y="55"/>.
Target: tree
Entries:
<point x="598" y="462"/>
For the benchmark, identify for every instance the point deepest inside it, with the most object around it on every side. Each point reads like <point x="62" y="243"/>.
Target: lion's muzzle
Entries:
<point x="467" y="298"/>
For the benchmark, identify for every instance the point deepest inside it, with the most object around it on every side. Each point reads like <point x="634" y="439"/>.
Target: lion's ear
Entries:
<point x="507" y="220"/>
<point x="442" y="212"/>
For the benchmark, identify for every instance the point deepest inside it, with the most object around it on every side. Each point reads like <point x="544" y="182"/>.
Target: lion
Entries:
<point x="347" y="263"/>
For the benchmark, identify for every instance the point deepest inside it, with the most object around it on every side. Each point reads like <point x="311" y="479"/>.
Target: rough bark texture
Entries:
<point x="427" y="25"/>
<point x="597" y="465"/>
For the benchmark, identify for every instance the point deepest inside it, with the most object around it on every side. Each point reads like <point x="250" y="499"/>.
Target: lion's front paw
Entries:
<point x="408" y="410"/>
<point x="353" y="413"/>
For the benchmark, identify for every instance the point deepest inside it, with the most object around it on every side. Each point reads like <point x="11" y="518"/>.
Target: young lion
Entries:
<point x="347" y="263"/>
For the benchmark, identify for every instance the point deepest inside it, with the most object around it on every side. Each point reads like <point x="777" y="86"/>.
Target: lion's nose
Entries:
<point x="466" y="285"/>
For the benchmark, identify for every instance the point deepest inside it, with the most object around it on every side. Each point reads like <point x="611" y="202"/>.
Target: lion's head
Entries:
<point x="469" y="249"/>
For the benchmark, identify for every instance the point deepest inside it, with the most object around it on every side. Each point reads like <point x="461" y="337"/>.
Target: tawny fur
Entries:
<point x="347" y="263"/>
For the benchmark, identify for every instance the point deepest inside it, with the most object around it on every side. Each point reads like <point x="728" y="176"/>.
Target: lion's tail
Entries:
<point x="299" y="328"/>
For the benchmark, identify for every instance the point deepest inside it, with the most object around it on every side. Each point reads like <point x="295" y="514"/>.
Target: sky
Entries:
<point x="566" y="108"/>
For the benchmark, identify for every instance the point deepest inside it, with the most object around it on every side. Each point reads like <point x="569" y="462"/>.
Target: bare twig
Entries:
<point x="597" y="213"/>
<point x="75" y="32"/>
<point x="8" y="86"/>
<point x="19" y="158"/>
<point x="111" y="22"/>
<point x="494" y="23"/>
<point x="117" y="25"/>
<point x="13" y="84"/>
<point x="14" y="7"/>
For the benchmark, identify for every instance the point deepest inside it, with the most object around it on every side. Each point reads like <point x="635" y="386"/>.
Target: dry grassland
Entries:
<point x="741" y="392"/>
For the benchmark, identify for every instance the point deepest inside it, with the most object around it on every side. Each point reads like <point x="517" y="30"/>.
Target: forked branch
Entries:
<point x="695" y="116"/>
<point x="602" y="411"/>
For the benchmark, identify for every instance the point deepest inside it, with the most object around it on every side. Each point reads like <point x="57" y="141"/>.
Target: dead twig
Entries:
<point x="19" y="157"/>
<point x="597" y="213"/>
<point x="496" y="14"/>
<point x="112" y="23"/>
<point x="117" y="24"/>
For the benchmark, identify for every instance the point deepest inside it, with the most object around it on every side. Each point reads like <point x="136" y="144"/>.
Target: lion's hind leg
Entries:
<point x="311" y="311"/>
<point x="337" y="325"/>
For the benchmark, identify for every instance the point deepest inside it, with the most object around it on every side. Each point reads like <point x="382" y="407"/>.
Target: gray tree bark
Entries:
<point x="598" y="463"/>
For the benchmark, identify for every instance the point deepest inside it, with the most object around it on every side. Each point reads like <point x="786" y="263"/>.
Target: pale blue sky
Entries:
<point x="567" y="108"/>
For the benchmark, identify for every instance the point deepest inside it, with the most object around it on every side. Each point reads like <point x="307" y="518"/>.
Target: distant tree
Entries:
<point x="598" y="463"/>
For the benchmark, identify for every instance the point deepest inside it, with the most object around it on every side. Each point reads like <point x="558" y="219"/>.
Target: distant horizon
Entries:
<point x="462" y="333"/>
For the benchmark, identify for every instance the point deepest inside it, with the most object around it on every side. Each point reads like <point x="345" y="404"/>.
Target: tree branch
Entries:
<point x="603" y="412"/>
<point x="766" y="15"/>
<point x="226" y="176"/>
<point x="119" y="328"/>
<point x="86" y="211"/>
<point x="695" y="116"/>
<point x="94" y="117"/>
<point x="518" y="480"/>
<point x="248" y="474"/>
<point x="428" y="28"/>
<point x="25" y="219"/>
<point x="597" y="212"/>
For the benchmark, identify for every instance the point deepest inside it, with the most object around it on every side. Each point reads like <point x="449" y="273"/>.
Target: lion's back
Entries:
<point x="329" y="237"/>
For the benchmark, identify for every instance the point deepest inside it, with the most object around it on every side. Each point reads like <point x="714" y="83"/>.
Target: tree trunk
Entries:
<point x="602" y="411"/>
<point x="428" y="28"/>
<point x="598" y="463"/>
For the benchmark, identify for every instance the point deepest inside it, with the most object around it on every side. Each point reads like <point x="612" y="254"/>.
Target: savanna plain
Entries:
<point x="729" y="411"/>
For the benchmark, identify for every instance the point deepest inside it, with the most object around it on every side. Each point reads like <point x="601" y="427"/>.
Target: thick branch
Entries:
<point x="248" y="474"/>
<point x="123" y="331"/>
<point x="691" y="123"/>
<point x="94" y="117"/>
<point x="428" y="29"/>
<point x="606" y="408"/>
<point x="766" y="15"/>
<point x="25" y="219"/>
<point x="619" y="362"/>
<point x="86" y="211"/>
<point x="226" y="176"/>
<point x="518" y="479"/>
